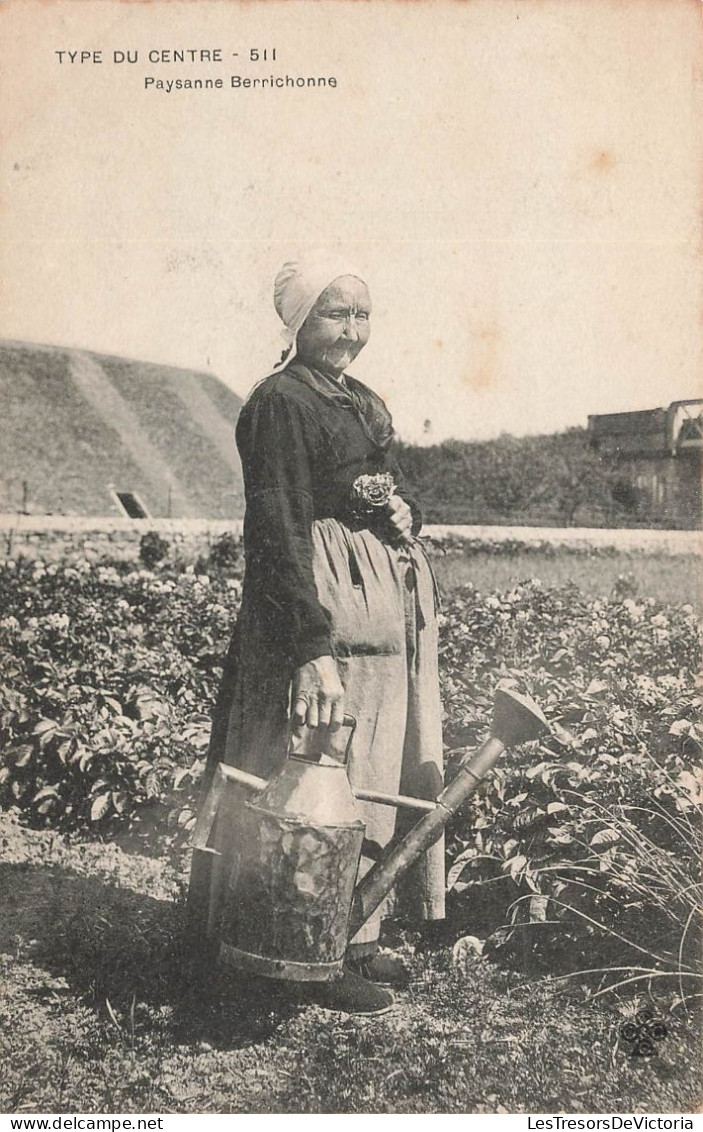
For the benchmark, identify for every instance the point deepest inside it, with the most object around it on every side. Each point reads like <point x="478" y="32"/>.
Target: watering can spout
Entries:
<point x="516" y="719"/>
<point x="292" y="901"/>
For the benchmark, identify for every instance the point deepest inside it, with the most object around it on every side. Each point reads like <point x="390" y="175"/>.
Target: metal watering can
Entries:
<point x="292" y="902"/>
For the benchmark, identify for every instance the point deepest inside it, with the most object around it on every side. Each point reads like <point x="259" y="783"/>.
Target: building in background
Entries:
<point x="659" y="451"/>
<point x="87" y="434"/>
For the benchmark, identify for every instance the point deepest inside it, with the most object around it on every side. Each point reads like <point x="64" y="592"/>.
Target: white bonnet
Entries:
<point x="298" y="286"/>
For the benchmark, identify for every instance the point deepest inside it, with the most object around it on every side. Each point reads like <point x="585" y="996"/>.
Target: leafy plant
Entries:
<point x="589" y="845"/>
<point x="106" y="691"/>
<point x="226" y="553"/>
<point x="152" y="549"/>
<point x="580" y="853"/>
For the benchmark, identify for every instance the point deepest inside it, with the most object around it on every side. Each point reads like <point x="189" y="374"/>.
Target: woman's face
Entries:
<point x="338" y="326"/>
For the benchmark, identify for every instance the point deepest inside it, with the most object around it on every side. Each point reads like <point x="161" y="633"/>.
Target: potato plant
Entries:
<point x="584" y="848"/>
<point x="581" y="852"/>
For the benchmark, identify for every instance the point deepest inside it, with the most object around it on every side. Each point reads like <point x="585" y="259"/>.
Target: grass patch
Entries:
<point x="663" y="577"/>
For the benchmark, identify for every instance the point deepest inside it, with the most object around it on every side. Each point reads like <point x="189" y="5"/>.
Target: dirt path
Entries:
<point x="102" y="1012"/>
<point x="96" y="1009"/>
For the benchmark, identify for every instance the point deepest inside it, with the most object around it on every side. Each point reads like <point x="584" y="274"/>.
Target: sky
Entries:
<point x="518" y="181"/>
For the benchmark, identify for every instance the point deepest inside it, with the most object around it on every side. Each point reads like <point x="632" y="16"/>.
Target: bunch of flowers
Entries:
<point x="372" y="492"/>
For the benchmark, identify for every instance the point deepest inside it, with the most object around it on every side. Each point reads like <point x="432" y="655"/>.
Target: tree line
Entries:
<point x="553" y="480"/>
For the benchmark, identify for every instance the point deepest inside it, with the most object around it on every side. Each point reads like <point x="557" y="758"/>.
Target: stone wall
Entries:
<point x="54" y="537"/>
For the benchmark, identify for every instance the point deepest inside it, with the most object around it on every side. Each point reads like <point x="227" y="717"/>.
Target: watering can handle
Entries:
<point x="312" y="743"/>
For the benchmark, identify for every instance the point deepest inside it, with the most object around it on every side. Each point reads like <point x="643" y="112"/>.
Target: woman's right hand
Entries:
<point x="401" y="518"/>
<point x="318" y="694"/>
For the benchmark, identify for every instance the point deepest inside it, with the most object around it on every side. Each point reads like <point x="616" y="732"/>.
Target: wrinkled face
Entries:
<point x="338" y="326"/>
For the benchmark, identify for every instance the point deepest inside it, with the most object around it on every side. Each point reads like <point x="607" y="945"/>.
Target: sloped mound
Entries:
<point x="77" y="429"/>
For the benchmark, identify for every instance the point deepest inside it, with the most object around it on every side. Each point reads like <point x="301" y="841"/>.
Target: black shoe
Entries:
<point x="352" y="994"/>
<point x="380" y="968"/>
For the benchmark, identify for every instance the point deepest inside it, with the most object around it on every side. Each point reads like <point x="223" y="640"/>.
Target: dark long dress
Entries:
<point x="321" y="579"/>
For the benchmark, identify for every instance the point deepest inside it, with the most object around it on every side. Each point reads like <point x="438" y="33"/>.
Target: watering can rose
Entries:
<point x="370" y="493"/>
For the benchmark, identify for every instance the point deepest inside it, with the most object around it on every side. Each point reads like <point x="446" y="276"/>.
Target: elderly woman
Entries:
<point x="339" y="604"/>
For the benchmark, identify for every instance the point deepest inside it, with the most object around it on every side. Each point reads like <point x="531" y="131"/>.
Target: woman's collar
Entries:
<point x="333" y="388"/>
<point x="373" y="415"/>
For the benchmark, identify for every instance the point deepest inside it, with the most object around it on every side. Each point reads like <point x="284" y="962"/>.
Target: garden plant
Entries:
<point x="578" y="859"/>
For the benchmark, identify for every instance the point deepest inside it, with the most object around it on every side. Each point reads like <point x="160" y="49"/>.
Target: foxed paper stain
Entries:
<point x="603" y="161"/>
<point x="484" y="361"/>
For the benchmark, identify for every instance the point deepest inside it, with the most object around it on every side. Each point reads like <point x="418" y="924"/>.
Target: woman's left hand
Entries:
<point x="401" y="518"/>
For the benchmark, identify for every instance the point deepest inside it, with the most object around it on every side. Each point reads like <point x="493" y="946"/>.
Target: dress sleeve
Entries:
<point x="401" y="489"/>
<point x="278" y="440"/>
<point x="379" y="425"/>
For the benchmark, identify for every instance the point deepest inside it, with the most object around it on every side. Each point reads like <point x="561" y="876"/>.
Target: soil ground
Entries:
<point x="102" y="1011"/>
